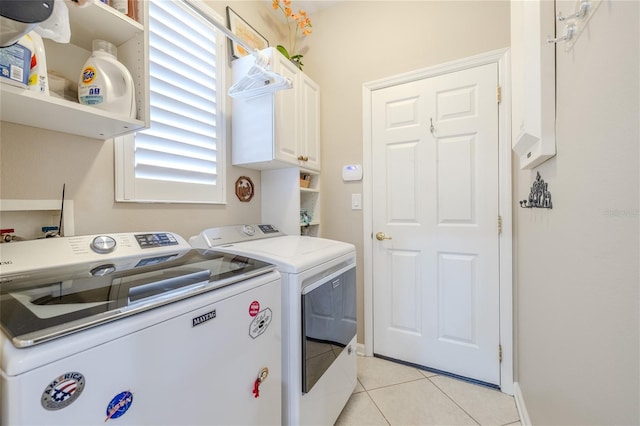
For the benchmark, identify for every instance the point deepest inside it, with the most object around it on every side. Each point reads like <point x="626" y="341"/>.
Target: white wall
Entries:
<point x="359" y="41"/>
<point x="577" y="265"/>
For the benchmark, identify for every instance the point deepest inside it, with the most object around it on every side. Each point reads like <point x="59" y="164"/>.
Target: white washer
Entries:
<point x="137" y="329"/>
<point x="318" y="320"/>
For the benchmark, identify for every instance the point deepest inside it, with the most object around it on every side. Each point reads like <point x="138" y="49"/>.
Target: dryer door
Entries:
<point x="328" y="322"/>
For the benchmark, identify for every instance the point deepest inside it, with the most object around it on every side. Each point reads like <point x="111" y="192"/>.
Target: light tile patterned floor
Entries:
<point x="389" y="393"/>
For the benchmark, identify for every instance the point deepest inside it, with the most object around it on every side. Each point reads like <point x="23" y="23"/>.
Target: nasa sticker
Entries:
<point x="119" y="405"/>
<point x="260" y="323"/>
<point x="62" y="391"/>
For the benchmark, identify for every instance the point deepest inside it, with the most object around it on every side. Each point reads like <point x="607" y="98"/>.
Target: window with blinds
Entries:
<point x="180" y="158"/>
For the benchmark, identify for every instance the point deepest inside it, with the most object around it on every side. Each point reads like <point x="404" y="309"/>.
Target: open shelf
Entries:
<point x="97" y="21"/>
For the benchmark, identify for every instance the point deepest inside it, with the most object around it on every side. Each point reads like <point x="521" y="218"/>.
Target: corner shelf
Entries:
<point x="283" y="198"/>
<point x="310" y="202"/>
<point x="98" y="21"/>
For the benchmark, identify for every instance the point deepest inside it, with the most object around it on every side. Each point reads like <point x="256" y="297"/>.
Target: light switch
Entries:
<point x="356" y="201"/>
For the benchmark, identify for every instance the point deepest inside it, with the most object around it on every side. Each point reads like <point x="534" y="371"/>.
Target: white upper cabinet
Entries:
<point x="281" y="129"/>
<point x="533" y="81"/>
<point x="310" y="122"/>
<point x="97" y="21"/>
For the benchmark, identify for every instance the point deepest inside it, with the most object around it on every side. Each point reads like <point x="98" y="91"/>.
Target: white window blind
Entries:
<point x="180" y="158"/>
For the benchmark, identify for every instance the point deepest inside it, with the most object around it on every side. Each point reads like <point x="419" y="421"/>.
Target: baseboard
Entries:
<point x="360" y="349"/>
<point x="522" y="408"/>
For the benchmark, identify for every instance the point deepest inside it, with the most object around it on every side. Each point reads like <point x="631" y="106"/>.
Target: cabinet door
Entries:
<point x="286" y="113"/>
<point x="309" y="143"/>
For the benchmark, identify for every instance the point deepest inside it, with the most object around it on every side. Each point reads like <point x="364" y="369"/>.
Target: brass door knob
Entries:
<point x="382" y="236"/>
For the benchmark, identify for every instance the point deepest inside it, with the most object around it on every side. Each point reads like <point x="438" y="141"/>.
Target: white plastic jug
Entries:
<point x="105" y="83"/>
<point x="38" y="77"/>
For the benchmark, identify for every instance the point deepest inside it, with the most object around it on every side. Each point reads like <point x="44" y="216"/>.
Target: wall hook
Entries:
<point x="433" y="129"/>
<point x="539" y="197"/>
<point x="569" y="32"/>
<point x="582" y="12"/>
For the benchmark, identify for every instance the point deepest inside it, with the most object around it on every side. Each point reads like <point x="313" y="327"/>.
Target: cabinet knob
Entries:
<point x="300" y="158"/>
<point x="305" y="158"/>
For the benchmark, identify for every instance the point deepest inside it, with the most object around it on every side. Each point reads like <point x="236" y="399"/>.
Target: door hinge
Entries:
<point x="500" y="353"/>
<point x="499" y="94"/>
<point x="499" y="224"/>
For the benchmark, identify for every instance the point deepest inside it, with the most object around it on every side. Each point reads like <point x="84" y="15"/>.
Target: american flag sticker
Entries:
<point x="62" y="391"/>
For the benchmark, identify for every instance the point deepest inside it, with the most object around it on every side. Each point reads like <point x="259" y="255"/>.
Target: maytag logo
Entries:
<point x="203" y="318"/>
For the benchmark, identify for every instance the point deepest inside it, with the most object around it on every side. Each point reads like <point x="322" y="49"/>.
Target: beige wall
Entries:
<point x="360" y="41"/>
<point x="578" y="278"/>
<point x="577" y="265"/>
<point x="35" y="163"/>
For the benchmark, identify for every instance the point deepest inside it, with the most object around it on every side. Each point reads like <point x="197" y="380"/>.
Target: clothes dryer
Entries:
<point x="318" y="315"/>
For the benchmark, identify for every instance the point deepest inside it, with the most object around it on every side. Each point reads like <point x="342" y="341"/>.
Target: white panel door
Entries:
<point x="435" y="199"/>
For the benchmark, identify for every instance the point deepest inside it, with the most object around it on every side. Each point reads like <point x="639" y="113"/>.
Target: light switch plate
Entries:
<point x="356" y="201"/>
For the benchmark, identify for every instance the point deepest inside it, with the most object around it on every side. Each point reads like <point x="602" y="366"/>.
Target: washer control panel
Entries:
<point x="101" y="253"/>
<point x="224" y="235"/>
<point x="156" y="240"/>
<point x="268" y="229"/>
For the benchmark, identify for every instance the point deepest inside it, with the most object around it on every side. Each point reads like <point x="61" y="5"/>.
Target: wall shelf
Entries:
<point x="283" y="199"/>
<point x="97" y="21"/>
<point x="24" y="215"/>
<point x="22" y="106"/>
<point x="100" y="21"/>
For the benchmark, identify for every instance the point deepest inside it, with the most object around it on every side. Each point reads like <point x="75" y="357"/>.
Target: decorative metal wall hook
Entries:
<point x="569" y="33"/>
<point x="582" y="12"/>
<point x="433" y="129"/>
<point x="539" y="197"/>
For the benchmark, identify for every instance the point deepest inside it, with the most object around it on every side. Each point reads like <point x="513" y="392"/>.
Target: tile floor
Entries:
<point x="389" y="393"/>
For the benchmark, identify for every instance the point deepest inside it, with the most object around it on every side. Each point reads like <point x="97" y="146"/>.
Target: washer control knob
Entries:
<point x="103" y="244"/>
<point x="248" y="230"/>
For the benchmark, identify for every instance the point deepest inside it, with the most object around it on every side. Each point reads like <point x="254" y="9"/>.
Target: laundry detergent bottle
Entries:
<point x="38" y="78"/>
<point x="105" y="83"/>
